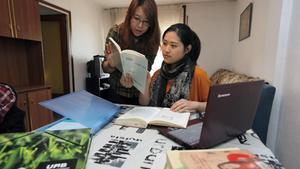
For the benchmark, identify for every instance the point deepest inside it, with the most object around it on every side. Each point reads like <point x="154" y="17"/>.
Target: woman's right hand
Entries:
<point x="108" y="65"/>
<point x="144" y="98"/>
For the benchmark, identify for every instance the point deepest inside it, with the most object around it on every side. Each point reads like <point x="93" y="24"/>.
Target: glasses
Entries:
<point x="136" y="19"/>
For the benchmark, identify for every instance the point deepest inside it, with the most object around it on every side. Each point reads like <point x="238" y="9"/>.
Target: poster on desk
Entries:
<point x="120" y="147"/>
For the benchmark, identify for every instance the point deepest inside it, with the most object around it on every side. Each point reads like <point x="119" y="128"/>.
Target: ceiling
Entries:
<point x="125" y="3"/>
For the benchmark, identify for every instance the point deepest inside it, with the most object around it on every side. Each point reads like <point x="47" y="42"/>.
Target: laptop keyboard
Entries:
<point x="190" y="135"/>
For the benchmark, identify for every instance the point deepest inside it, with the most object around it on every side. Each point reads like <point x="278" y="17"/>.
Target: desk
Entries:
<point x="109" y="150"/>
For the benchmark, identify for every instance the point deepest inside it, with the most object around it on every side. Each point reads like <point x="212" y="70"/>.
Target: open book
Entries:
<point x="142" y="116"/>
<point x="132" y="62"/>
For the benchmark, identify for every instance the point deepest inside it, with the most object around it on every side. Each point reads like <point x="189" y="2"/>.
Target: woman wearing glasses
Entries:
<point x="140" y="32"/>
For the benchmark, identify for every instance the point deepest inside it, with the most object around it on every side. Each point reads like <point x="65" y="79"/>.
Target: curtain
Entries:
<point x="167" y="16"/>
<point x="117" y="15"/>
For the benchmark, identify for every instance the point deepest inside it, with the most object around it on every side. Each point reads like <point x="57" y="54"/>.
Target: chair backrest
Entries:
<point x="262" y="117"/>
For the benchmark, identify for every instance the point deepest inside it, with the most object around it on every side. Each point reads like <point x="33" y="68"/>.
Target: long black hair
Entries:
<point x="187" y="37"/>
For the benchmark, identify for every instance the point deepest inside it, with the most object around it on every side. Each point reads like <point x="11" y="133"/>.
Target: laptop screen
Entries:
<point x="230" y="111"/>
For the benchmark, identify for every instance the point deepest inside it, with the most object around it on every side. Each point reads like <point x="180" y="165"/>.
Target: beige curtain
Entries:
<point x="167" y="16"/>
<point x="117" y="15"/>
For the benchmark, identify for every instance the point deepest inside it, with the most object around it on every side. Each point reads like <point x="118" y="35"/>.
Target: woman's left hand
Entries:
<point x="184" y="105"/>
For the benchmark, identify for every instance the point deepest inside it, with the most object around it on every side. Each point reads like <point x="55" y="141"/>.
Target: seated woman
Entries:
<point x="179" y="84"/>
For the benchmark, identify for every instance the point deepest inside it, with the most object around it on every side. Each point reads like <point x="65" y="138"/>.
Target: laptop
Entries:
<point x="230" y="112"/>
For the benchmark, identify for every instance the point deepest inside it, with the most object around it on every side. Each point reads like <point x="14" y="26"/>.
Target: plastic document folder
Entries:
<point x="85" y="108"/>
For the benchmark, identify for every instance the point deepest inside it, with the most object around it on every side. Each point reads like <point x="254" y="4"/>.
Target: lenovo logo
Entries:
<point x="223" y="95"/>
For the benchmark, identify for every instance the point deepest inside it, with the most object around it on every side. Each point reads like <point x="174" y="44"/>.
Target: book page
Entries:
<point x="137" y="117"/>
<point x="136" y="65"/>
<point x="116" y="54"/>
<point x="166" y="117"/>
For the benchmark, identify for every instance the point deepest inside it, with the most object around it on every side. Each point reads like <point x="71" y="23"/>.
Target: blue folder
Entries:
<point x="85" y="108"/>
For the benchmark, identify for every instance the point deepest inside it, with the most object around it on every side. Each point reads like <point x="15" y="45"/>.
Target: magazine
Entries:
<point x="214" y="159"/>
<point x="41" y="150"/>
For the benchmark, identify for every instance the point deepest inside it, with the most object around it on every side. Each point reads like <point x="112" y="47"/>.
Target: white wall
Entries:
<point x="272" y="52"/>
<point x="250" y="56"/>
<point x="213" y="22"/>
<point x="107" y="23"/>
<point x="258" y="54"/>
<point x="87" y="34"/>
<point x="264" y="54"/>
<point x="288" y="147"/>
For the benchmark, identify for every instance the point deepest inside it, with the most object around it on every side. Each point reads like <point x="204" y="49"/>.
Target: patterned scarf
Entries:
<point x="182" y="73"/>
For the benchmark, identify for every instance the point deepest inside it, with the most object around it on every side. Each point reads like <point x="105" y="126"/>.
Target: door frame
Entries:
<point x="64" y="18"/>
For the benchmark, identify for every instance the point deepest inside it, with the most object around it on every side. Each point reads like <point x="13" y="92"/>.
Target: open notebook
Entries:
<point x="85" y="108"/>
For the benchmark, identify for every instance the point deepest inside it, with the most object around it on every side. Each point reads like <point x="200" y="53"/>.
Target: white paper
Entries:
<point x="128" y="148"/>
<point x="66" y="125"/>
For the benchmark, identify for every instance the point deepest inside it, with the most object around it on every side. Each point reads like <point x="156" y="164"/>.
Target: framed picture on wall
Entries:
<point x="245" y="22"/>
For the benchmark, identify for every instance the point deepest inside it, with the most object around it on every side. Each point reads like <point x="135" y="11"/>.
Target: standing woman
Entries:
<point x="140" y="32"/>
<point x="179" y="84"/>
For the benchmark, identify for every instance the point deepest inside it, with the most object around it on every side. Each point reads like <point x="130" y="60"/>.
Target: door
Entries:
<point x="56" y="53"/>
<point x="56" y="28"/>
